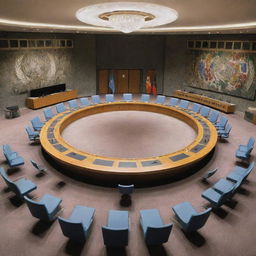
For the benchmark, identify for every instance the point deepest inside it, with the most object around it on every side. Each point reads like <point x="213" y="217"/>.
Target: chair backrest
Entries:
<point x="38" y="210"/>
<point x="12" y="186"/>
<point x="184" y="104"/>
<point x="249" y="170"/>
<point x="60" y="107"/>
<point x="228" y="128"/>
<point x="48" y="114"/>
<point x="250" y="143"/>
<point x="158" y="235"/>
<point x="204" y="111"/>
<point x="7" y="150"/>
<point x="125" y="189"/>
<point x="213" y="117"/>
<point x="115" y="237"/>
<point x="145" y="97"/>
<point x="36" y="122"/>
<point x="72" y="104"/>
<point x="31" y="134"/>
<point x="173" y="101"/>
<point x="196" y="107"/>
<point x="72" y="230"/>
<point x="95" y="99"/>
<point x="109" y="98"/>
<point x="84" y="102"/>
<point x="127" y="96"/>
<point x="223" y="121"/>
<point x="160" y="99"/>
<point x="197" y="221"/>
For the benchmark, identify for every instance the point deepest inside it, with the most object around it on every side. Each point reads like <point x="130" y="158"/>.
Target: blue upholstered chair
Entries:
<point x="127" y="97"/>
<point x="196" y="107"/>
<point x="213" y="117"/>
<point x="109" y="98"/>
<point x="224" y="185"/>
<point x="249" y="146"/>
<point x="145" y="98"/>
<point x="77" y="226"/>
<point x="160" y="99"/>
<point x="20" y="187"/>
<point x="154" y="230"/>
<point x="48" y="114"/>
<point x="12" y="157"/>
<point x="184" y="104"/>
<point x="95" y="99"/>
<point x="173" y="102"/>
<point x="84" y="102"/>
<point x="73" y="104"/>
<point x="38" y="167"/>
<point x="60" y="107"/>
<point x="189" y="219"/>
<point x="32" y="135"/>
<point x="36" y="123"/>
<point x="244" y="151"/>
<point x="115" y="233"/>
<point x="224" y="133"/>
<point x="46" y="209"/>
<point x="209" y="174"/>
<point x="204" y="111"/>
<point x="222" y="123"/>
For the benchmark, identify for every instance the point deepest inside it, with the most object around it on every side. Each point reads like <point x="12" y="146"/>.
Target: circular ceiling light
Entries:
<point x="126" y="16"/>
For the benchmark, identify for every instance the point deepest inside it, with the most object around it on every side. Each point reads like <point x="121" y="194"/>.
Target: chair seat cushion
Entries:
<point x="118" y="219"/>
<point x="51" y="202"/>
<point x="25" y="186"/>
<point x="223" y="186"/>
<point x="16" y="161"/>
<point x="150" y="218"/>
<point x="184" y="211"/>
<point x="211" y="195"/>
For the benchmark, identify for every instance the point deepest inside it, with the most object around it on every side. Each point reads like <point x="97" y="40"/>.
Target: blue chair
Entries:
<point x="84" y="102"/>
<point x="95" y="99"/>
<point x="154" y="230"/>
<point x="73" y="104"/>
<point x="184" y="104"/>
<point x="224" y="133"/>
<point x="48" y="114"/>
<point x="224" y="185"/>
<point x="39" y="167"/>
<point x="12" y="157"/>
<point x="209" y="174"/>
<point x="249" y="146"/>
<point x="60" y="107"/>
<point x="127" y="97"/>
<point x="204" y="111"/>
<point x="20" y="187"/>
<point x="160" y="99"/>
<point x="189" y="219"/>
<point x="37" y="124"/>
<point x="196" y="107"/>
<point x="46" y="209"/>
<point x="222" y="123"/>
<point x="109" y="98"/>
<point x="115" y="233"/>
<point x="145" y="98"/>
<point x="77" y="226"/>
<point x="213" y="117"/>
<point x="32" y="135"/>
<point x="173" y="102"/>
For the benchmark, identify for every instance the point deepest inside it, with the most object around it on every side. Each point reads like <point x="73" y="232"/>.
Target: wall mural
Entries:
<point x="225" y="72"/>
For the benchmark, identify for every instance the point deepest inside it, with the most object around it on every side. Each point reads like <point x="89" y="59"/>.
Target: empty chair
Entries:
<point x="196" y="107"/>
<point x="60" y="107"/>
<point x="224" y="185"/>
<point x="126" y="191"/>
<point x="160" y="99"/>
<point x="209" y="174"/>
<point x="222" y="123"/>
<point x="77" y="226"/>
<point x="244" y="151"/>
<point x="46" y="209"/>
<point x="154" y="230"/>
<point x="12" y="157"/>
<point x="127" y="97"/>
<point x="224" y="133"/>
<point x="73" y="104"/>
<point x="84" y="102"/>
<point x="109" y="98"/>
<point x="32" y="135"/>
<point x="249" y="146"/>
<point x="48" y="114"/>
<point x="145" y="98"/>
<point x="204" y="111"/>
<point x="189" y="219"/>
<point x="95" y="99"/>
<point x="36" y="123"/>
<point x="173" y="102"/>
<point x="213" y="117"/>
<point x="39" y="167"/>
<point x="20" y="187"/>
<point x="115" y="233"/>
<point x="184" y="104"/>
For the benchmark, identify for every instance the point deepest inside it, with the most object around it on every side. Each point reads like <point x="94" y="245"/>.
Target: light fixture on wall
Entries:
<point x="126" y="16"/>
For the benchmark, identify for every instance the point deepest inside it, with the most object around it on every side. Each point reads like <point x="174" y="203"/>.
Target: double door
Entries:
<point x="125" y="80"/>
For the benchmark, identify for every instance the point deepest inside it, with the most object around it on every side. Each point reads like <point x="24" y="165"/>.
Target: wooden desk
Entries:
<point x="39" y="102"/>
<point x="217" y="104"/>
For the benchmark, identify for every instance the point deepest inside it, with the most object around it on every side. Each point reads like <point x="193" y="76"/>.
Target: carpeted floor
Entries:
<point x="230" y="231"/>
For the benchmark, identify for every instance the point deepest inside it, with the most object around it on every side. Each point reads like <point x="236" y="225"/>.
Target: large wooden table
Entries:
<point x="99" y="169"/>
<point x="40" y="102"/>
<point x="214" y="103"/>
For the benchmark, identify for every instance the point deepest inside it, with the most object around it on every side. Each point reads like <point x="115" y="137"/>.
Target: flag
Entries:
<point x="148" y="85"/>
<point x="111" y="82"/>
<point x="154" y="92"/>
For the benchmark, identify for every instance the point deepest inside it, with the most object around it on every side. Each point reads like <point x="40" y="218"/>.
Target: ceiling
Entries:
<point x="195" y="16"/>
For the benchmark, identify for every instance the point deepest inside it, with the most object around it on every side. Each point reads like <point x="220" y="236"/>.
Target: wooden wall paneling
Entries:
<point x="103" y="81"/>
<point x="134" y="80"/>
<point x="122" y="81"/>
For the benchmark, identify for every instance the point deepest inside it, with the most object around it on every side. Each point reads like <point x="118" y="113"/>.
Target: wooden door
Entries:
<point x="103" y="81"/>
<point x="122" y="80"/>
<point x="134" y="81"/>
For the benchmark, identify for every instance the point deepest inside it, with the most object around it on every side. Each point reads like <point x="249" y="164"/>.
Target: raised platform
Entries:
<point x="99" y="169"/>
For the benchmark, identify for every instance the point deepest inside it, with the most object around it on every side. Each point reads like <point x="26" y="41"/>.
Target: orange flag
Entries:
<point x="148" y="85"/>
<point x="154" y="92"/>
